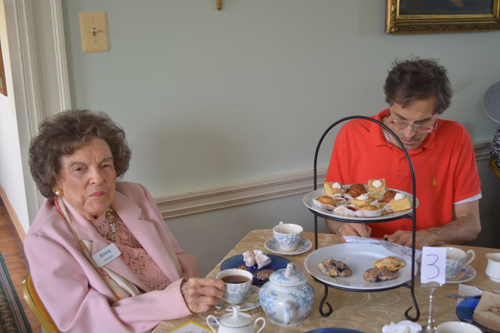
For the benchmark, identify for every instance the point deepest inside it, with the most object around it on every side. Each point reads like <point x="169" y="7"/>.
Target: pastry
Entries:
<point x="262" y="276"/>
<point x="243" y="267"/>
<point x="389" y="195"/>
<point x="356" y="190"/>
<point x="324" y="199"/>
<point x="400" y="202"/>
<point x="346" y="210"/>
<point x="333" y="188"/>
<point x="332" y="267"/>
<point x="362" y="200"/>
<point x="487" y="312"/>
<point x="342" y="199"/>
<point x="376" y="185"/>
<point x="391" y="263"/>
<point x="375" y="195"/>
<point x="379" y="275"/>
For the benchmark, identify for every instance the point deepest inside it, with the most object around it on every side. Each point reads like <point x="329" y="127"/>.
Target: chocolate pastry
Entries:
<point x="332" y="267"/>
<point x="379" y="275"/>
<point x="389" y="195"/>
<point x="356" y="190"/>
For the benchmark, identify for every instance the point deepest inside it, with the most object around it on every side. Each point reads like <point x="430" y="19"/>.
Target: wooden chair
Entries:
<point x="37" y="306"/>
<point x="493" y="167"/>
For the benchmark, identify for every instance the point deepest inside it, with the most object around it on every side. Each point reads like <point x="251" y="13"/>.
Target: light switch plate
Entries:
<point x="94" y="32"/>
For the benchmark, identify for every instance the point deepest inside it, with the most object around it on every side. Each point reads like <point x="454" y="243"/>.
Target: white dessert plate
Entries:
<point x="466" y="274"/>
<point x="251" y="300"/>
<point x="304" y="246"/>
<point x="359" y="257"/>
<point x="308" y="201"/>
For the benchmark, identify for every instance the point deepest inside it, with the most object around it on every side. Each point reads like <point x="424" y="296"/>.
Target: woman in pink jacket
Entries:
<point x="101" y="257"/>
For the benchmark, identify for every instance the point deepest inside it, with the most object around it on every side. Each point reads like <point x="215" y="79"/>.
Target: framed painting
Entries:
<point x="435" y="16"/>
<point x="3" y="87"/>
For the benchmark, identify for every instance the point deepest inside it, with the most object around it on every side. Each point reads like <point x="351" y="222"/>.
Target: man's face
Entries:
<point x="420" y="112"/>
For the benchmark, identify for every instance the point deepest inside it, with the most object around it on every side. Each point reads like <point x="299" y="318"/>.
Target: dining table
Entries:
<point x="357" y="310"/>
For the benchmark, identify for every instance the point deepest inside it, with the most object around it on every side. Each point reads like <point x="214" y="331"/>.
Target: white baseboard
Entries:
<point x="12" y="213"/>
<point x="198" y="200"/>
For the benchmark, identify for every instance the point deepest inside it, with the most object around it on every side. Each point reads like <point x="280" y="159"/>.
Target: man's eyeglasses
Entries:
<point x="401" y="124"/>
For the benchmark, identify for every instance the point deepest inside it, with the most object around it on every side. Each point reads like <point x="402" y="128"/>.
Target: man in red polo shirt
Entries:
<point x="446" y="176"/>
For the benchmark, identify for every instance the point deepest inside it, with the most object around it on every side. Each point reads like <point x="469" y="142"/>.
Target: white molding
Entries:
<point x="60" y="55"/>
<point x="198" y="200"/>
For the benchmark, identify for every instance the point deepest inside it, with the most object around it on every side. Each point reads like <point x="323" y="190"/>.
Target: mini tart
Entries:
<point x="342" y="199"/>
<point x="332" y="188"/>
<point x="376" y="185"/>
<point x="362" y="200"/>
<point x="326" y="200"/>
<point x="348" y="211"/>
<point x="318" y="202"/>
<point x="401" y="204"/>
<point x="368" y="211"/>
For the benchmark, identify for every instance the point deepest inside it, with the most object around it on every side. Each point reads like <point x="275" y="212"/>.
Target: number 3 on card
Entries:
<point x="433" y="266"/>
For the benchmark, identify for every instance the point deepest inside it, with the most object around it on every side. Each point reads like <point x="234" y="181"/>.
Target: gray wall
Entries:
<point x="209" y="97"/>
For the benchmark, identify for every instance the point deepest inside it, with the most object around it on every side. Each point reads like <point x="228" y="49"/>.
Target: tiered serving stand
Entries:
<point x="410" y="215"/>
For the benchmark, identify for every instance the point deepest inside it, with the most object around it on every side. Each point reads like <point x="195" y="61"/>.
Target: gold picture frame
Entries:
<point x="439" y="16"/>
<point x="3" y="86"/>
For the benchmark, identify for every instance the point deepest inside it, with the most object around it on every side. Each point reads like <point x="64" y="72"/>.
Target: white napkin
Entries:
<point x="404" y="326"/>
<point x="466" y="290"/>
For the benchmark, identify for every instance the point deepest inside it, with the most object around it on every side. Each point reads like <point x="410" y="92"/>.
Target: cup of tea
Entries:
<point x="493" y="267"/>
<point x="456" y="260"/>
<point x="288" y="235"/>
<point x="457" y="327"/>
<point x="237" y="283"/>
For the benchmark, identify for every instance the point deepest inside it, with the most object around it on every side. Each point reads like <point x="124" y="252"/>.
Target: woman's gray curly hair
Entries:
<point x="67" y="132"/>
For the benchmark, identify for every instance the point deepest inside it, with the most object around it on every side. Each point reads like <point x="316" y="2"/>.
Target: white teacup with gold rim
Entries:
<point x="456" y="260"/>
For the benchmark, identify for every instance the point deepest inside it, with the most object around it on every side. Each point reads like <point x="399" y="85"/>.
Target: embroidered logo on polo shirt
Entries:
<point x="434" y="182"/>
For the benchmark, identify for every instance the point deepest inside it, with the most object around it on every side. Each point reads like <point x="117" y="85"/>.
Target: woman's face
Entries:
<point x="88" y="178"/>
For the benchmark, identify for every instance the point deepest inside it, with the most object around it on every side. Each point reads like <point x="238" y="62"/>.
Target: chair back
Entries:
<point x="493" y="167"/>
<point x="36" y="305"/>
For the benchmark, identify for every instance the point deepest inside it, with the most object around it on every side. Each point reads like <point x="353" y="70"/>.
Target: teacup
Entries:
<point x="456" y="261"/>
<point x="457" y="327"/>
<point x="493" y="267"/>
<point x="237" y="283"/>
<point x="288" y="235"/>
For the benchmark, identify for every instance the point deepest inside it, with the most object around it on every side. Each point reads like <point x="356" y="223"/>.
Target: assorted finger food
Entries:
<point x="358" y="200"/>
<point x="383" y="269"/>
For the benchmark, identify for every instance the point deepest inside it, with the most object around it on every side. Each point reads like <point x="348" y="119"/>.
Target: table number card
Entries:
<point x="433" y="267"/>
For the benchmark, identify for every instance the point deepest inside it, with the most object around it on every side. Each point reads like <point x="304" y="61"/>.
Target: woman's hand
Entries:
<point x="200" y="294"/>
<point x="422" y="238"/>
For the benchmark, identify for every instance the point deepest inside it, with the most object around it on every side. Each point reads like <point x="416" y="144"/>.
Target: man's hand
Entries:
<point x="353" y="229"/>
<point x="422" y="238"/>
<point x="200" y="294"/>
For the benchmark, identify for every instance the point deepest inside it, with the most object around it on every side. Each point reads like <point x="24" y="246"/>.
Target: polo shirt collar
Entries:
<point x="379" y="139"/>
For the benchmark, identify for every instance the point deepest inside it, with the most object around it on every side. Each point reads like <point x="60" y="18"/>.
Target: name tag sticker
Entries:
<point x="106" y="255"/>
<point x="433" y="267"/>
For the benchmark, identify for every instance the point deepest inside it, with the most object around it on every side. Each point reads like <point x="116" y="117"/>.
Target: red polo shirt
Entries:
<point x="444" y="164"/>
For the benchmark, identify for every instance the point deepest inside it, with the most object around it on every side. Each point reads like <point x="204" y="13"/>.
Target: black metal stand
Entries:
<point x="411" y="215"/>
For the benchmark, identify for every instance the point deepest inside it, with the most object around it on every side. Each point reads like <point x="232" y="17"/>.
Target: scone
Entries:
<point x="379" y="275"/>
<point x="391" y="263"/>
<point x="400" y="202"/>
<point x="356" y="190"/>
<point x="333" y="268"/>
<point x="332" y="188"/>
<point x="376" y="185"/>
<point x="362" y="200"/>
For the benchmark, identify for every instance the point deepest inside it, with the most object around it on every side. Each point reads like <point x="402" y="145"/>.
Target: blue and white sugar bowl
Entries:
<point x="287" y="298"/>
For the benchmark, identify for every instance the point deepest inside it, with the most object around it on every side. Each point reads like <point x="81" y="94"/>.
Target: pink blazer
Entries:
<point x="75" y="295"/>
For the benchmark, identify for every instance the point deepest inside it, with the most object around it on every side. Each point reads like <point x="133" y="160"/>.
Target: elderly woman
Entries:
<point x="101" y="257"/>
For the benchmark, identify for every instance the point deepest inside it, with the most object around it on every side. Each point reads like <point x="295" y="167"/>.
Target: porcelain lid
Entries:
<point x="288" y="277"/>
<point x="236" y="319"/>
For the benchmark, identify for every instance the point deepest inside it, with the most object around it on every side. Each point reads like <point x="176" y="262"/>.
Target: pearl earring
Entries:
<point x="58" y="192"/>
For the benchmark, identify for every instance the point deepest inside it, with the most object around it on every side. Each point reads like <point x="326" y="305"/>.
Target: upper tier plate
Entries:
<point x="308" y="201"/>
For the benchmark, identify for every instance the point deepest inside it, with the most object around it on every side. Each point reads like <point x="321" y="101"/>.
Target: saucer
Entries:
<point x="304" y="246"/>
<point x="466" y="274"/>
<point x="251" y="300"/>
